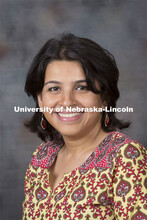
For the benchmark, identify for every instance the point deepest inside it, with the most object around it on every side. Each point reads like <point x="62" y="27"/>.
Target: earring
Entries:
<point x="43" y="122"/>
<point x="107" y="120"/>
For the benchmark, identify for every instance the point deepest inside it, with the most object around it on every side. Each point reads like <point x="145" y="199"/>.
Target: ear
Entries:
<point x="39" y="98"/>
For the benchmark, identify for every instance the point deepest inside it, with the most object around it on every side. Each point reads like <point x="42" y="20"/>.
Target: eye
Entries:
<point x="54" y="89"/>
<point x="81" y="88"/>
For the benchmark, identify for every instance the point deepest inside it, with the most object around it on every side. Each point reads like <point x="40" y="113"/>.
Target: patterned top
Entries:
<point x="111" y="184"/>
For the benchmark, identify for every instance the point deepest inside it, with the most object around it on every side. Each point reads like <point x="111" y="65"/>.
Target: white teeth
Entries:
<point x="68" y="115"/>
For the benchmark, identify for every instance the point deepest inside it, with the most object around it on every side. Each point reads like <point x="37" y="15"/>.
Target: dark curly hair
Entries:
<point x="98" y="65"/>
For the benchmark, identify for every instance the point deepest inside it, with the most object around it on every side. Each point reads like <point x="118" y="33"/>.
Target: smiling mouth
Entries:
<point x="69" y="115"/>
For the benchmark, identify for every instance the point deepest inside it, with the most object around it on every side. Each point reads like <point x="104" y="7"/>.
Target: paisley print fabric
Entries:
<point x="110" y="185"/>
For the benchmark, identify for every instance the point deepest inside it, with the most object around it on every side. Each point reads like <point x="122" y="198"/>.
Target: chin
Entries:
<point x="70" y="132"/>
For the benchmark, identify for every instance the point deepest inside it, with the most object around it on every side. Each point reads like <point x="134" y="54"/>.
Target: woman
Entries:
<point x="85" y="168"/>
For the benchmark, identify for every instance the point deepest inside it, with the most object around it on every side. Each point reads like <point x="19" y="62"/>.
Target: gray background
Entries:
<point x="119" y="26"/>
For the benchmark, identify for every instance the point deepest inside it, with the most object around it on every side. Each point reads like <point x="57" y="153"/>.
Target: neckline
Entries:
<point x="68" y="174"/>
<point x="82" y="166"/>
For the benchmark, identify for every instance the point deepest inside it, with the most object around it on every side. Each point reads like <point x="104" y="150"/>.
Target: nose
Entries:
<point x="67" y="99"/>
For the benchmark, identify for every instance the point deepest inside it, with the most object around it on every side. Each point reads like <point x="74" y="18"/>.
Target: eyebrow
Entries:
<point x="57" y="82"/>
<point x="52" y="81"/>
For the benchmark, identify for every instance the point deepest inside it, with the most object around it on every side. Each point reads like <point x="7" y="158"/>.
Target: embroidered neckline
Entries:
<point x="47" y="153"/>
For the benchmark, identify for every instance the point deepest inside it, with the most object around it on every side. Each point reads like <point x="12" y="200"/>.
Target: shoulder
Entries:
<point x="117" y="145"/>
<point x="121" y="141"/>
<point x="128" y="153"/>
<point x="45" y="154"/>
<point x="130" y="148"/>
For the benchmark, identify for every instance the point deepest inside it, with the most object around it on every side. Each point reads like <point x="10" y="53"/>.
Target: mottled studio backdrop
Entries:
<point x="118" y="25"/>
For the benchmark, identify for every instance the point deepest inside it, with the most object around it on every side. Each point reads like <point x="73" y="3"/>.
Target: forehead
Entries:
<point x="67" y="70"/>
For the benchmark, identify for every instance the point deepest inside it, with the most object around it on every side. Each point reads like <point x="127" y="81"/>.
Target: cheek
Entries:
<point x="91" y="101"/>
<point x="92" y="120"/>
<point x="49" y="117"/>
<point x="48" y="101"/>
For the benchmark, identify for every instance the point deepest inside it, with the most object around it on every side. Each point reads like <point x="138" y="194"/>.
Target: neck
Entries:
<point x="77" y="145"/>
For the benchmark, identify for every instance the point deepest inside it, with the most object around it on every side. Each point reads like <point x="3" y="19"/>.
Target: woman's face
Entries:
<point x="65" y="85"/>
